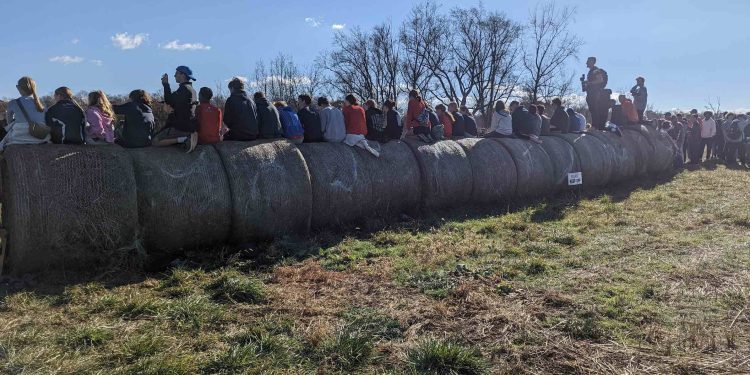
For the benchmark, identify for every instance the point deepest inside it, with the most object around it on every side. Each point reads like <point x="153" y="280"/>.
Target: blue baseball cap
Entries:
<point x="186" y="71"/>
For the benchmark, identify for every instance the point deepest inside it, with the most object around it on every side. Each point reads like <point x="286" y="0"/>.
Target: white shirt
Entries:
<point x="708" y="130"/>
<point x="501" y="123"/>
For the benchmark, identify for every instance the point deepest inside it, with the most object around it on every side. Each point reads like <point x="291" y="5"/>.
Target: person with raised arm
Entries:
<point x="181" y="126"/>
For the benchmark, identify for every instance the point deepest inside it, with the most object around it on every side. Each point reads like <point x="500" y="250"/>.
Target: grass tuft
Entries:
<point x="233" y="286"/>
<point x="85" y="337"/>
<point x="446" y="358"/>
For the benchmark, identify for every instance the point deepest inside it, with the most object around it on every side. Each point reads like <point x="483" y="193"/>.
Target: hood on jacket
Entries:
<point x="262" y="102"/>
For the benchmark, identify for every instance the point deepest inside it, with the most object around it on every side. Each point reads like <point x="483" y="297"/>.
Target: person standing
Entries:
<point x="181" y="127"/>
<point x="332" y="121"/>
<point x="269" y="125"/>
<point x="640" y="97"/>
<point x="310" y="119"/>
<point x="733" y="137"/>
<point x="66" y="120"/>
<point x="240" y="114"/>
<point x="594" y="84"/>
<point x="708" y="131"/>
<point x="694" y="139"/>
<point x="100" y="117"/>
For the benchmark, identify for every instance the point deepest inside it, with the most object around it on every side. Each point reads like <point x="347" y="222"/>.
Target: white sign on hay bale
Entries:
<point x="575" y="178"/>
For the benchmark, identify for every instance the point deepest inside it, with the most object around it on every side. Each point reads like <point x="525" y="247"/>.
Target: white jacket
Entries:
<point x="501" y="123"/>
<point x="708" y="130"/>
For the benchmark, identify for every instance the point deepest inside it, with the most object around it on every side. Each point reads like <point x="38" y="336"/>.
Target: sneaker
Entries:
<point x="191" y="142"/>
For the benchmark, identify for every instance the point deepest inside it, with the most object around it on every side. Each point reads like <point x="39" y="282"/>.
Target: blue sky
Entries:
<point x="688" y="50"/>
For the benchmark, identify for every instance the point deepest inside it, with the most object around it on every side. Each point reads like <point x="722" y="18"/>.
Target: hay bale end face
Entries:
<point x="68" y="206"/>
<point x="446" y="173"/>
<point x="270" y="189"/>
<point x="183" y="199"/>
<point x="564" y="160"/>
<point x="596" y="162"/>
<point x="493" y="170"/>
<point x="534" y="167"/>
<point x="624" y="165"/>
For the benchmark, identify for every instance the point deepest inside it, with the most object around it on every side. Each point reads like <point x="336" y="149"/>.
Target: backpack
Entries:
<point x="733" y="132"/>
<point x="424" y="118"/>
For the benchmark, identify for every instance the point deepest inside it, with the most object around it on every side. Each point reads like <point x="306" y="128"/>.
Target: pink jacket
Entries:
<point x="100" y="126"/>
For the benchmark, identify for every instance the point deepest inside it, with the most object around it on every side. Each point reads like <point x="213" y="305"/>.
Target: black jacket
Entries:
<point x="459" y="126"/>
<point x="376" y="125"/>
<point x="560" y="120"/>
<point x="241" y="117"/>
<point x="521" y="121"/>
<point x="269" y="124"/>
<point x="138" y="129"/>
<point x="183" y="103"/>
<point x="311" y="122"/>
<point x="471" y="126"/>
<point x="67" y="122"/>
<point x="393" y="128"/>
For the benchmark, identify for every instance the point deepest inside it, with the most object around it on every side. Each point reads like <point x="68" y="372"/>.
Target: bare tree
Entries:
<point x="421" y="36"/>
<point x="550" y="46"/>
<point x="386" y="59"/>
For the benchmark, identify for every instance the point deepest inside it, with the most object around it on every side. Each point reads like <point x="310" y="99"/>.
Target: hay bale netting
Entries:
<point x="183" y="199"/>
<point x="664" y="149"/>
<point x="493" y="170"/>
<point x="564" y="160"/>
<point x="640" y="148"/>
<point x="446" y="173"/>
<point x="71" y="206"/>
<point x="624" y="161"/>
<point x="596" y="160"/>
<point x="270" y="187"/>
<point x="535" y="171"/>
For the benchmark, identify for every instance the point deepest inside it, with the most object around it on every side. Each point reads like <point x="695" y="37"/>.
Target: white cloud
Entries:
<point x="177" y="46"/>
<point x="97" y="62"/>
<point x="74" y="41"/>
<point x="65" y="60"/>
<point x="312" y="22"/>
<point x="338" y="26"/>
<point x="124" y="41"/>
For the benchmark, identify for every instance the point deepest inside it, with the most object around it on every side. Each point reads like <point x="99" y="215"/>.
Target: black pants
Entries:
<point x="640" y="115"/>
<point x="730" y="152"/>
<point x="598" y="103"/>
<point x="706" y="146"/>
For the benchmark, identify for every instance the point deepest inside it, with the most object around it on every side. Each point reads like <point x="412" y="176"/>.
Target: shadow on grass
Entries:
<point x="265" y="255"/>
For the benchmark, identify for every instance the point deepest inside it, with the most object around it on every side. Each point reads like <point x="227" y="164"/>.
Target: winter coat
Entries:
<point x="269" y="124"/>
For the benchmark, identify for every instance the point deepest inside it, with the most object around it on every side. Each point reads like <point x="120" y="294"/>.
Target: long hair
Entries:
<point x="415" y="94"/>
<point x="99" y="100"/>
<point x="352" y="99"/>
<point x="27" y="86"/>
<point x="140" y="97"/>
<point x="444" y="110"/>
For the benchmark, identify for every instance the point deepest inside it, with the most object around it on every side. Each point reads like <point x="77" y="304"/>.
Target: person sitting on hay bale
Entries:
<point x="269" y="124"/>
<point x="100" y="117"/>
<point x="356" y="125"/>
<point x="459" y="124"/>
<point x="310" y="119"/>
<point x="138" y="129"/>
<point x="65" y="118"/>
<point x="25" y="117"/>
<point x="501" y="125"/>
<point x="331" y="121"/>
<point x="291" y="127"/>
<point x="469" y="122"/>
<point x="447" y="121"/>
<point x="181" y="126"/>
<point x="209" y="118"/>
<point x="417" y="120"/>
<point x="240" y="114"/>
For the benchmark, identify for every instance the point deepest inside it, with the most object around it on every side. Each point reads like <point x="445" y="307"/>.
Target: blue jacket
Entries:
<point x="290" y="124"/>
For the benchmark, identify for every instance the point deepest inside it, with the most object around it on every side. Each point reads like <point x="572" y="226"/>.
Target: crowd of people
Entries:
<point x="194" y="120"/>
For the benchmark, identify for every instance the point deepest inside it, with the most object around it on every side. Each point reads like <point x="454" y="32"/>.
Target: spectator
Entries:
<point x="470" y="124"/>
<point x="560" y="120"/>
<point x="269" y="124"/>
<point x="181" y="127"/>
<point x="596" y="98"/>
<point x="331" y="121"/>
<point x="240" y="114"/>
<point x="459" y="125"/>
<point x="733" y="136"/>
<point x="536" y="120"/>
<point x="708" y="131"/>
<point x="23" y="112"/>
<point x="65" y="119"/>
<point x="546" y="126"/>
<point x="683" y="142"/>
<point x="446" y="119"/>
<point x="577" y="121"/>
<point x="138" y="130"/>
<point x="618" y="115"/>
<point x="694" y="139"/>
<point x="629" y="111"/>
<point x="744" y="147"/>
<point x="209" y="118"/>
<point x="356" y="125"/>
<point x="309" y="119"/>
<point x="100" y="117"/>
<point x="393" y="127"/>
<point x="521" y="119"/>
<point x="291" y="127"/>
<point x="417" y="120"/>
<point x="640" y="97"/>
<point x="718" y="142"/>
<point x="501" y="125"/>
<point x="376" y="123"/>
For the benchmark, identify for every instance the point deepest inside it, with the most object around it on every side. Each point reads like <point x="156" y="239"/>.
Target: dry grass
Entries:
<point x="652" y="280"/>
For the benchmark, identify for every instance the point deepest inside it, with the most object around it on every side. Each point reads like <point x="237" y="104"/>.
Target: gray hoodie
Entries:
<point x="332" y="124"/>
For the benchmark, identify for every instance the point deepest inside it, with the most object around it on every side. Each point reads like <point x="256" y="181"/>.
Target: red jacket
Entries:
<point x="412" y="113"/>
<point x="209" y="123"/>
<point x="355" y="120"/>
<point x="447" y="121"/>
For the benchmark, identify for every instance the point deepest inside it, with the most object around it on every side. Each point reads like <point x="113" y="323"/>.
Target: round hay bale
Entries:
<point x="664" y="149"/>
<point x="624" y="161"/>
<point x="493" y="170"/>
<point x="564" y="160"/>
<point x="68" y="206"/>
<point x="596" y="161"/>
<point x="640" y="148"/>
<point x="446" y="173"/>
<point x="183" y="199"/>
<point x="270" y="187"/>
<point x="534" y="168"/>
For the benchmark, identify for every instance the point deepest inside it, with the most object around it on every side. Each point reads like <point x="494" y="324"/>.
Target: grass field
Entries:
<point x="642" y="279"/>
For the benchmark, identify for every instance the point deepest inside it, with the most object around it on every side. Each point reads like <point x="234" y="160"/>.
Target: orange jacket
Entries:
<point x="412" y="113"/>
<point x="447" y="121"/>
<point x="629" y="110"/>
<point x="355" y="120"/>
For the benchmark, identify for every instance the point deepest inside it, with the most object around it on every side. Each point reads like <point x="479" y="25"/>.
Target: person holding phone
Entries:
<point x="181" y="126"/>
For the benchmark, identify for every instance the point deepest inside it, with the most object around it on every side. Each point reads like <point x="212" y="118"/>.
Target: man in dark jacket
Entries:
<point x="269" y="124"/>
<point x="521" y="119"/>
<point x="470" y="124"/>
<point x="459" y="126"/>
<point x="560" y="121"/>
<point x="65" y="119"/>
<point x="376" y="122"/>
<point x="181" y="126"/>
<point x="240" y="114"/>
<point x="310" y="119"/>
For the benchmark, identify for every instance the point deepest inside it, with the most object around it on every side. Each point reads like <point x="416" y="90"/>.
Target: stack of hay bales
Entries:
<point x="85" y="205"/>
